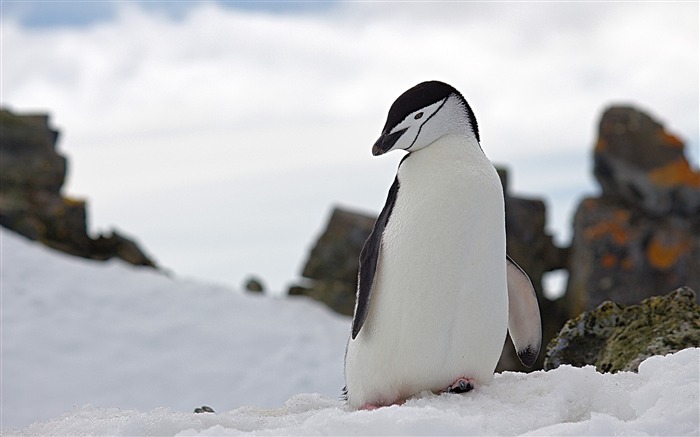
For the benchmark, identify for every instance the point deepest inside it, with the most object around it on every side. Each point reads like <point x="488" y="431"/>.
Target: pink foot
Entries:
<point x="462" y="385"/>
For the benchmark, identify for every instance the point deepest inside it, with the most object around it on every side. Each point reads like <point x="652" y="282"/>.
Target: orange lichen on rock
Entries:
<point x="615" y="228"/>
<point x="72" y="201"/>
<point x="608" y="261"/>
<point x="663" y="255"/>
<point x="589" y="203"/>
<point x="600" y="145"/>
<point x="675" y="173"/>
<point x="670" y="140"/>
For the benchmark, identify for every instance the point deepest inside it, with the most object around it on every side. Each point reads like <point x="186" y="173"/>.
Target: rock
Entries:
<point x="528" y="243"/>
<point x="615" y="337"/>
<point x="618" y="254"/>
<point x="31" y="177"/>
<point x="334" y="260"/>
<point x="29" y="160"/>
<point x="32" y="174"/>
<point x="534" y="250"/>
<point x="254" y="285"/>
<point x="643" y="233"/>
<point x="337" y="295"/>
<point x="116" y="245"/>
<point x="638" y="162"/>
<point x="336" y="253"/>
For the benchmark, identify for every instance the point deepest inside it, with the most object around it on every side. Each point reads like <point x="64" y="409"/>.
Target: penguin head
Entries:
<point x="422" y="115"/>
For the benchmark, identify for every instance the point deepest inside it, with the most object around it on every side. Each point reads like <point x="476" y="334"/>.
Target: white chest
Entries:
<point x="450" y="202"/>
<point x="443" y="248"/>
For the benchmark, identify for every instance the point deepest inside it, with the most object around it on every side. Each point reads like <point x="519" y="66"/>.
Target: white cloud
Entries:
<point x="263" y="105"/>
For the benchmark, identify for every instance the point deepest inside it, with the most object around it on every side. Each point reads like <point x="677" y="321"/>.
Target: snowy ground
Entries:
<point x="94" y="348"/>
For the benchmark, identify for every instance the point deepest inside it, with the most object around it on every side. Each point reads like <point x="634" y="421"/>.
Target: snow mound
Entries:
<point x="662" y="399"/>
<point x="139" y="351"/>
<point x="77" y="331"/>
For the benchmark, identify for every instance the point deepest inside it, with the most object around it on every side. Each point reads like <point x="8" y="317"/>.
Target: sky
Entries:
<point x="221" y="134"/>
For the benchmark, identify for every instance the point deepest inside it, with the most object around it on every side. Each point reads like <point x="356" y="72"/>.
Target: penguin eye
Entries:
<point x="417" y="116"/>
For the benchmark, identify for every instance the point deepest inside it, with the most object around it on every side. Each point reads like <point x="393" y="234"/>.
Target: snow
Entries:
<point x="76" y="331"/>
<point x="92" y="348"/>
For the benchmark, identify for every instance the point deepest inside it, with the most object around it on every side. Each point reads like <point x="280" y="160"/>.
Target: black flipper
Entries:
<point x="368" y="260"/>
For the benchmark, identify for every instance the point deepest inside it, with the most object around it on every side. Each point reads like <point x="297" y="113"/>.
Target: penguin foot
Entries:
<point x="369" y="407"/>
<point x="462" y="385"/>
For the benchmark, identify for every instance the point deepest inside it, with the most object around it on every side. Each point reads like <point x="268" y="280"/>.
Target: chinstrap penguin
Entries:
<point x="436" y="291"/>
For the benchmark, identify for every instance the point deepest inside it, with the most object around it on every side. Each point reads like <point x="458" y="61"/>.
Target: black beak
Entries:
<point x="386" y="142"/>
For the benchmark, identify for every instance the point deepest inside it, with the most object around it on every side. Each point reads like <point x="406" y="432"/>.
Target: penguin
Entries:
<point x="436" y="290"/>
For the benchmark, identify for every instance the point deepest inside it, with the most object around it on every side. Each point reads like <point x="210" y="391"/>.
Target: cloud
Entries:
<point x="156" y="111"/>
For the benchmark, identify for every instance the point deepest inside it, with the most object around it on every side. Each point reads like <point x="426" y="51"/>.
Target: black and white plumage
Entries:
<point x="435" y="283"/>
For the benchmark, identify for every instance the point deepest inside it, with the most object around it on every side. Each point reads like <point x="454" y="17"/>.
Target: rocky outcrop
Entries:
<point x="616" y="337"/>
<point x="32" y="174"/>
<point x="643" y="233"/>
<point x="534" y="250"/>
<point x="527" y="241"/>
<point x="333" y="262"/>
<point x="641" y="165"/>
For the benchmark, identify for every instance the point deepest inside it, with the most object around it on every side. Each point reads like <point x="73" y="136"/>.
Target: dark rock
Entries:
<point x="643" y="234"/>
<point x="204" y="409"/>
<point x="32" y="174"/>
<point x="333" y="261"/>
<point x="254" y="285"/>
<point x="527" y="241"/>
<point x="297" y="290"/>
<point x="621" y="255"/>
<point x="534" y="250"/>
<point x="338" y="295"/>
<point x="27" y="156"/>
<point x="616" y="337"/>
<point x="116" y="245"/>
<point x="336" y="253"/>
<point x="643" y="166"/>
